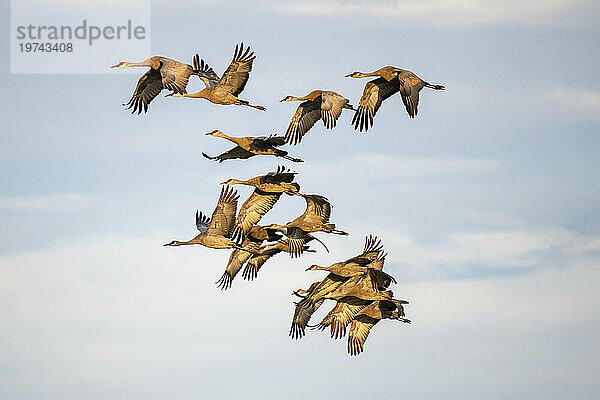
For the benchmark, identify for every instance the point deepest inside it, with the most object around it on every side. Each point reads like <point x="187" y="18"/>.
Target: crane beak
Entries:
<point x="348" y="76"/>
<point x="282" y="100"/>
<point x="116" y="66"/>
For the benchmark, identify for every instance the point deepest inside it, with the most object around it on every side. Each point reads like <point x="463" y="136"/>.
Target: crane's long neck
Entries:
<point x="239" y="182"/>
<point x="203" y="94"/>
<point x="294" y="98"/>
<point x="277" y="227"/>
<point x="196" y="240"/>
<point x="144" y="63"/>
<point x="230" y="138"/>
<point x="366" y="74"/>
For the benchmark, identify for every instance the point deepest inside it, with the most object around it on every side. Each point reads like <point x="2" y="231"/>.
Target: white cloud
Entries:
<point x="576" y="100"/>
<point x="443" y="12"/>
<point x="54" y="201"/>
<point x="467" y="254"/>
<point x="142" y="319"/>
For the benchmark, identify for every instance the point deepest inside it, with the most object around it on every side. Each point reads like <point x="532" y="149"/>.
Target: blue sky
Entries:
<point x="487" y="202"/>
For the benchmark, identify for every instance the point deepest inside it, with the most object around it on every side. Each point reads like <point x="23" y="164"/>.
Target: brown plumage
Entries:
<point x="250" y="247"/>
<point x="257" y="260"/>
<point x="311" y="302"/>
<point x="368" y="317"/>
<point x="390" y="81"/>
<point x="341" y="315"/>
<point x="318" y="104"/>
<point x="353" y="295"/>
<point x="248" y="146"/>
<point x="268" y="189"/>
<point x="216" y="231"/>
<point x="318" y="291"/>
<point x="314" y="219"/>
<point x="164" y="73"/>
<point x="232" y="83"/>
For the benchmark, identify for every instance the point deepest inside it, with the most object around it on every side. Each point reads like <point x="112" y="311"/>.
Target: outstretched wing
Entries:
<point x="148" y="87"/>
<point x="253" y="209"/>
<point x="237" y="259"/>
<point x="305" y="308"/>
<point x="307" y="114"/>
<point x="204" y="72"/>
<point x="223" y="218"/>
<point x="313" y="300"/>
<point x="281" y="175"/>
<point x="318" y="209"/>
<point x="235" y="153"/>
<point x="259" y="259"/>
<point x="358" y="333"/>
<point x="331" y="108"/>
<point x="341" y="315"/>
<point x="266" y="143"/>
<point x="175" y="75"/>
<point x="236" y="76"/>
<point x="202" y="221"/>
<point x="371" y="252"/>
<point x="410" y="85"/>
<point x="375" y="92"/>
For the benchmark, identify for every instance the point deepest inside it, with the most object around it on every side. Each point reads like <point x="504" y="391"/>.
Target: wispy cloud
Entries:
<point x="55" y="201"/>
<point x="443" y="12"/>
<point x="577" y="100"/>
<point x="361" y="166"/>
<point x="467" y="254"/>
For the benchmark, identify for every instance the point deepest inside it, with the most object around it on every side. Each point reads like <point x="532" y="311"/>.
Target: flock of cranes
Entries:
<point x="358" y="285"/>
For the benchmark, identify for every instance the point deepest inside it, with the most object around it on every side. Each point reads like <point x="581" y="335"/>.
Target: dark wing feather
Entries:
<point x="281" y="175"/>
<point x="275" y="140"/>
<point x="375" y="92"/>
<point x="204" y="72"/>
<point x="305" y="308"/>
<point x="148" y="87"/>
<point x="267" y="143"/>
<point x="296" y="245"/>
<point x="318" y="209"/>
<point x="259" y="259"/>
<point x="235" y="153"/>
<point x="307" y="114"/>
<point x="202" y="221"/>
<point x="311" y="302"/>
<point x="237" y="259"/>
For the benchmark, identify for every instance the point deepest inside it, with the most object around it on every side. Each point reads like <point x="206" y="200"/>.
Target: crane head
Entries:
<point x="287" y="98"/>
<point x="313" y="268"/>
<point x="122" y="64"/>
<point x="355" y="74"/>
<point x="173" y="243"/>
<point x="216" y="132"/>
